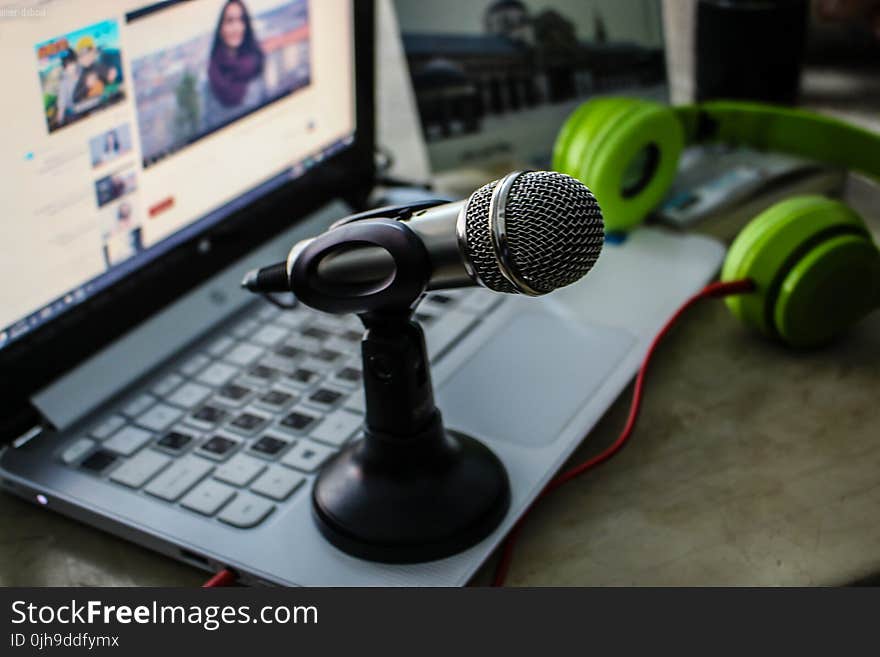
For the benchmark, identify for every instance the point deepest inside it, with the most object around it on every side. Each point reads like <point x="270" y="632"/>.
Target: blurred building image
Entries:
<point x="522" y="60"/>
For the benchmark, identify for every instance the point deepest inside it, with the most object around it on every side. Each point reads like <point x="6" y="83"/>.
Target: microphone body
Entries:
<point x="527" y="233"/>
<point x="438" y="228"/>
<point x="435" y="227"/>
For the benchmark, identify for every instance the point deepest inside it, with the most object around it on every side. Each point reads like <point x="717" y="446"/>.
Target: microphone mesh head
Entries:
<point x="554" y="232"/>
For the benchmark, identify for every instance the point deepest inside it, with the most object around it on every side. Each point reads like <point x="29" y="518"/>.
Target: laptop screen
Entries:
<point x="130" y="127"/>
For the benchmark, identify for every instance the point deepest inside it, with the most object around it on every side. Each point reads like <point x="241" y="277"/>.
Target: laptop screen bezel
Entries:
<point x="38" y="358"/>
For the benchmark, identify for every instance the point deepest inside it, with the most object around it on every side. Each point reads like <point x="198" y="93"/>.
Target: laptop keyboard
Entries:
<point x="240" y="423"/>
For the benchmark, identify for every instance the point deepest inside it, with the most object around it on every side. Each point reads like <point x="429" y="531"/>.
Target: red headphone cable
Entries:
<point x="225" y="577"/>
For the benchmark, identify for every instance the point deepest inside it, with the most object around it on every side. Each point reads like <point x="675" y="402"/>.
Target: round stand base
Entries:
<point x="421" y="504"/>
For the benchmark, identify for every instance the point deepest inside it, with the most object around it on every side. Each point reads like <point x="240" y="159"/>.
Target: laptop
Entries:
<point x="145" y="394"/>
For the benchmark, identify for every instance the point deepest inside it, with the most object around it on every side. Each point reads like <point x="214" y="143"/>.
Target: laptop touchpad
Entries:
<point x="525" y="383"/>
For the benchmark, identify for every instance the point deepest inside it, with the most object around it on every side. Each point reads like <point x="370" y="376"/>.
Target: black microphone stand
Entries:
<point x="409" y="490"/>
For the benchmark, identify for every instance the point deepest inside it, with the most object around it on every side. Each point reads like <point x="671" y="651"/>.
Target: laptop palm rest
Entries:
<point x="501" y="393"/>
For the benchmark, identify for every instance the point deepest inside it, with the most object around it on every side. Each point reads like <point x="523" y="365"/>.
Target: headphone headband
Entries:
<point x="783" y="129"/>
<point x="626" y="149"/>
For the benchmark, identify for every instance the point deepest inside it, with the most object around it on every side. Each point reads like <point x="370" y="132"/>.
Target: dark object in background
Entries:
<point x="750" y="49"/>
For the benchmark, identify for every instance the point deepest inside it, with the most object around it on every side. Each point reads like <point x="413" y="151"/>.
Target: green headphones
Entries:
<point x="815" y="267"/>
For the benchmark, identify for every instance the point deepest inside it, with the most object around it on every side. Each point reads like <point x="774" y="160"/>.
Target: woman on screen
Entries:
<point x="111" y="147"/>
<point x="235" y="67"/>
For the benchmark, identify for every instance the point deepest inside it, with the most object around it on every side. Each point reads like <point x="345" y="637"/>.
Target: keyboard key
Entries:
<point x="208" y="497"/>
<point x="194" y="364"/>
<point x="175" y="441"/>
<point x="268" y="312"/>
<point x="275" y="399"/>
<point x="167" y="384"/>
<point x="288" y="351"/>
<point x="350" y="335"/>
<point x="233" y="394"/>
<point x="245" y="328"/>
<point x="220" y="346"/>
<point x="207" y="417"/>
<point x="77" y="450"/>
<point x="138" y="405"/>
<point x="270" y="335"/>
<point x="337" y="427"/>
<point x="217" y="374"/>
<point x="278" y="483"/>
<point x="140" y="469"/>
<point x="98" y="461"/>
<point x="343" y="346"/>
<point x="179" y="477"/>
<point x="316" y="333"/>
<point x="356" y="402"/>
<point x="244" y="354"/>
<point x="312" y="364"/>
<point x="276" y="362"/>
<point x="269" y="445"/>
<point x="327" y="355"/>
<point x="189" y="395"/>
<point x="325" y="397"/>
<point x="307" y="456"/>
<point x="444" y="333"/>
<point x="292" y="318"/>
<point x="349" y="375"/>
<point x="246" y="511"/>
<point x="218" y="447"/>
<point x="159" y="417"/>
<point x="308" y="345"/>
<point x="234" y="391"/>
<point x="263" y="373"/>
<point x="298" y="421"/>
<point x="248" y="423"/>
<point x="128" y="440"/>
<point x="301" y="377"/>
<point x="239" y="470"/>
<point x="108" y="426"/>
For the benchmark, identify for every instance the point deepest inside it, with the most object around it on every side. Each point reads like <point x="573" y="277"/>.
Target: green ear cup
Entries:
<point x="626" y="151"/>
<point x="814" y="266"/>
<point x="565" y="159"/>
<point x="830" y="288"/>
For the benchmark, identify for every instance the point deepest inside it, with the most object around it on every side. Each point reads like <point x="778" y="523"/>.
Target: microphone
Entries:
<point x="409" y="490"/>
<point x="527" y="233"/>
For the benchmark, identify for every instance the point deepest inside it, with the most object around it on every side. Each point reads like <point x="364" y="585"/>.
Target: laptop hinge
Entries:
<point x="115" y="368"/>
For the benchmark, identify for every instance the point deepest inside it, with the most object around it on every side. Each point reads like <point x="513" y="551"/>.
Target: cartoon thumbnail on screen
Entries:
<point x="80" y="73"/>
